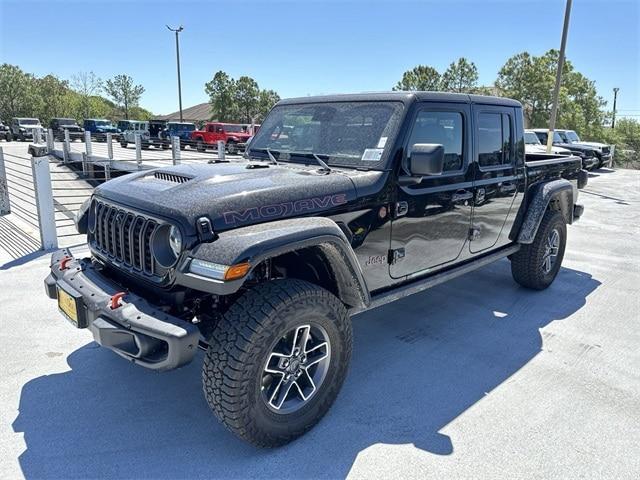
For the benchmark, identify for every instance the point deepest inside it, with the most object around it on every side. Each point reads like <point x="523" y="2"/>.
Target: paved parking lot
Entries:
<point x="477" y="378"/>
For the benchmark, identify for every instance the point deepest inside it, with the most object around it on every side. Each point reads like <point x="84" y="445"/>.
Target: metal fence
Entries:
<point x="41" y="192"/>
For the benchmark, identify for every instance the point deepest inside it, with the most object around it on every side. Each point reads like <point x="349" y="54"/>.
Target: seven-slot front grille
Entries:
<point x="124" y="236"/>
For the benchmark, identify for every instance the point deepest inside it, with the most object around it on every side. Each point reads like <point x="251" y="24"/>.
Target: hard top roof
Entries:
<point x="405" y="97"/>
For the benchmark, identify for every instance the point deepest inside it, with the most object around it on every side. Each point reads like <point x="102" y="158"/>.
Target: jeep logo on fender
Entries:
<point x="284" y="209"/>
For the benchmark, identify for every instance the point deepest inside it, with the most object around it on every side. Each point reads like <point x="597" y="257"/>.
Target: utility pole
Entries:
<point x="177" y="31"/>
<point x="613" y="118"/>
<point x="556" y="89"/>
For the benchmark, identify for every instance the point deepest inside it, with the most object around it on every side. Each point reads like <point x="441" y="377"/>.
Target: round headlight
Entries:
<point x="175" y="241"/>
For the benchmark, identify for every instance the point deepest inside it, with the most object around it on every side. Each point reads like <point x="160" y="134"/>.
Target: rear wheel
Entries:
<point x="232" y="148"/>
<point x="536" y="265"/>
<point x="277" y="360"/>
<point x="124" y="144"/>
<point x="200" y="145"/>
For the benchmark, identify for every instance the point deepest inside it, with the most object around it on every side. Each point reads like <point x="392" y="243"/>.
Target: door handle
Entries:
<point x="461" y="195"/>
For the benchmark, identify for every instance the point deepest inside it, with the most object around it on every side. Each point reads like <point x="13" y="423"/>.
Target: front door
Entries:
<point x="498" y="176"/>
<point x="432" y="218"/>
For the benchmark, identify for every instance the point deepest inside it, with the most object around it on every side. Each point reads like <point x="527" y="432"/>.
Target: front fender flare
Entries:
<point x="560" y="191"/>
<point x="256" y="243"/>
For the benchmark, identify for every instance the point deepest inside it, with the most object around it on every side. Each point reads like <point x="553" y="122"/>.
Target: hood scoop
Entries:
<point x="171" y="177"/>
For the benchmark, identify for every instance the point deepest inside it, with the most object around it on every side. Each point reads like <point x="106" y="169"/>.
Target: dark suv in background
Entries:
<point x="587" y="154"/>
<point x="602" y="150"/>
<point x="99" y="127"/>
<point x="59" y="125"/>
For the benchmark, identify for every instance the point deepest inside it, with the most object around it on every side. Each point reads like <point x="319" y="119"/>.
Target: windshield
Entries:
<point x="572" y="136"/>
<point x="29" y="121"/>
<point x="66" y="121"/>
<point x="531" y="138"/>
<point x="103" y="123"/>
<point x="342" y="133"/>
<point x="234" y="128"/>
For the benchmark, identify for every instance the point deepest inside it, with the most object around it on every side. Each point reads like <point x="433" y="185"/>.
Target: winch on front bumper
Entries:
<point x="122" y="321"/>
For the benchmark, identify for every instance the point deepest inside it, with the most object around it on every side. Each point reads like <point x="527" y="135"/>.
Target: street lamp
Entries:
<point x="177" y="31"/>
<point x="613" y="118"/>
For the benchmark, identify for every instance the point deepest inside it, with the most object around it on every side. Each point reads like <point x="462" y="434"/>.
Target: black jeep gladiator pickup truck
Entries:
<point x="342" y="204"/>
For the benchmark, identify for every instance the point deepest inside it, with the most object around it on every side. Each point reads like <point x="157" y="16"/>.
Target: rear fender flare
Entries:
<point x="559" y="193"/>
<point x="257" y="243"/>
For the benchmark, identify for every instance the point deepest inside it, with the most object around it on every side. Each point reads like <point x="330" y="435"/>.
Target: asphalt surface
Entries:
<point x="476" y="378"/>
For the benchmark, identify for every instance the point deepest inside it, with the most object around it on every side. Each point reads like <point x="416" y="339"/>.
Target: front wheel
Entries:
<point x="231" y="148"/>
<point x="277" y="360"/>
<point x="124" y="144"/>
<point x="536" y="265"/>
<point x="200" y="145"/>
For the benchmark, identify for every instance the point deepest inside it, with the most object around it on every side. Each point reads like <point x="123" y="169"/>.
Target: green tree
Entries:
<point x="531" y="79"/>
<point x="18" y="95"/>
<point x="222" y="93"/>
<point x="246" y="98"/>
<point x="56" y="98"/>
<point x="125" y="93"/>
<point x="420" y="78"/>
<point x="268" y="98"/>
<point x="461" y="76"/>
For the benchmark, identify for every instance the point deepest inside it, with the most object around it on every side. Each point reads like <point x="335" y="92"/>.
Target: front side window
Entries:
<point x="494" y="139"/>
<point x="444" y="128"/>
<point x="557" y="138"/>
<point x="350" y="134"/>
<point x="573" y="136"/>
<point x="233" y="128"/>
<point x="531" y="138"/>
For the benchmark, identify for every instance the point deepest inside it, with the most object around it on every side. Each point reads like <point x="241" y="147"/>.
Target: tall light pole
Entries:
<point x="613" y="118"/>
<point x="556" y="89"/>
<point x="177" y="31"/>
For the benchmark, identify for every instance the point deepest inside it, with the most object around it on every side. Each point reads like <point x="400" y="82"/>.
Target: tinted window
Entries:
<point x="494" y="139"/>
<point x="444" y="128"/>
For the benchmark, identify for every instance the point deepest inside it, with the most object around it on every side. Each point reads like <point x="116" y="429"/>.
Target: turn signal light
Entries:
<point x="237" y="271"/>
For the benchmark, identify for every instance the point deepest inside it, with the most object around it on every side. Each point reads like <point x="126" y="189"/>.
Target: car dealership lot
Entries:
<point x="474" y="378"/>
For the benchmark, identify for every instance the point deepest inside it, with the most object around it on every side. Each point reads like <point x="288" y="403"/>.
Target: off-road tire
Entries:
<point x="241" y="343"/>
<point x="231" y="148"/>
<point x="124" y="144"/>
<point x="200" y="147"/>
<point x="526" y="263"/>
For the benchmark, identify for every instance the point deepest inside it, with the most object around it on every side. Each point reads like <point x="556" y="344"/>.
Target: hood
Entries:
<point x="574" y="147"/>
<point x="241" y="136"/>
<point x="230" y="194"/>
<point x="593" y="144"/>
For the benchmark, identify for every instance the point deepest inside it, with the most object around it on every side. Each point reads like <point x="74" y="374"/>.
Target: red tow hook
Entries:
<point x="63" y="263"/>
<point x="115" y="300"/>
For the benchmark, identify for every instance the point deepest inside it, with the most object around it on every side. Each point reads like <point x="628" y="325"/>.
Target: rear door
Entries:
<point x="499" y="173"/>
<point x="432" y="218"/>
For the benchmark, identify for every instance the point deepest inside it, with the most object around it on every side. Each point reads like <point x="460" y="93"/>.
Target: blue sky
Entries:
<point x="303" y="48"/>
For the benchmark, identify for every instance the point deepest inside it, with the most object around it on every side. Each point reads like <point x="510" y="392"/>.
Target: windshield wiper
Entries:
<point x="324" y="167"/>
<point x="268" y="151"/>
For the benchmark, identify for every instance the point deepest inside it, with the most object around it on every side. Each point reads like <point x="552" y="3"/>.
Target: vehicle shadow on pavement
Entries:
<point x="417" y="365"/>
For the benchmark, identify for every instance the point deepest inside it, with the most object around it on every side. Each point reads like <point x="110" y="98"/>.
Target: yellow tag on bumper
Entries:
<point x="67" y="304"/>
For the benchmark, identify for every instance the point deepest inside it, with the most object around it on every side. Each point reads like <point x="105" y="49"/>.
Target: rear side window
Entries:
<point x="444" y="128"/>
<point x="494" y="139"/>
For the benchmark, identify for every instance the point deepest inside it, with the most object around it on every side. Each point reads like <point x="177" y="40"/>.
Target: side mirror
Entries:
<point x="426" y="159"/>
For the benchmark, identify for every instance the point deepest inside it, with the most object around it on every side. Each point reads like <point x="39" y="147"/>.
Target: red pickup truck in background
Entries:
<point x="233" y="135"/>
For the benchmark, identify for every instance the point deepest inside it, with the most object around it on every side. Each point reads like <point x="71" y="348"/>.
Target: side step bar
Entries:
<point x="418" y="286"/>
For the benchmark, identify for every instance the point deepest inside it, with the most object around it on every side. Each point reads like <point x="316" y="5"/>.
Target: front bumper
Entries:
<point x="136" y="330"/>
<point x="589" y="162"/>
